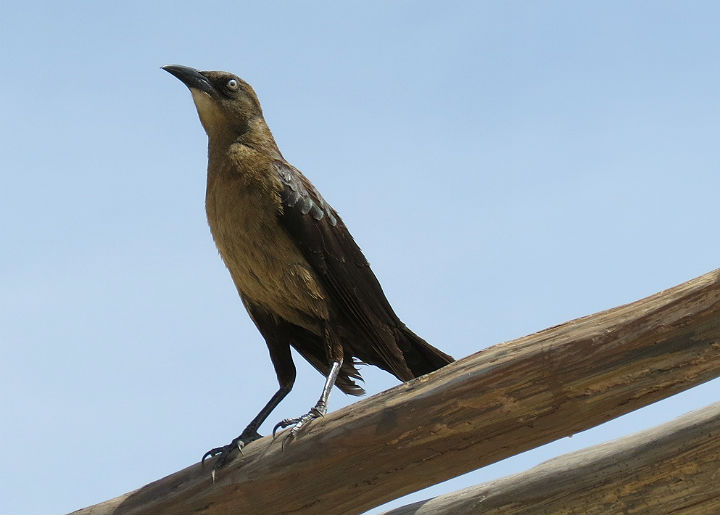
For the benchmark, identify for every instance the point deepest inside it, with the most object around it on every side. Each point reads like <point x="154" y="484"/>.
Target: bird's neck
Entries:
<point x="256" y="136"/>
<point x="259" y="137"/>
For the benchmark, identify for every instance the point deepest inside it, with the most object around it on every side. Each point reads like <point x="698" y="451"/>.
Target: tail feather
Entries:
<point x="421" y="357"/>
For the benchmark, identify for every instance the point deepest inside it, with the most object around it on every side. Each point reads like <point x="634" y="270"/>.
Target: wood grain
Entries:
<point x="672" y="468"/>
<point x="496" y="403"/>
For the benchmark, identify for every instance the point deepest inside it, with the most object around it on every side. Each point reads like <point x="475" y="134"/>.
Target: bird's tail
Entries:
<point x="421" y="357"/>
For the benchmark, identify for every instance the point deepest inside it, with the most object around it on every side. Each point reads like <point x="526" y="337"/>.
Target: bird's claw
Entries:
<point x="227" y="452"/>
<point x="224" y="452"/>
<point x="298" y="423"/>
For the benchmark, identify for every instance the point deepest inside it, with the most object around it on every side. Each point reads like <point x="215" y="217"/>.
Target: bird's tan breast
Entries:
<point x="266" y="266"/>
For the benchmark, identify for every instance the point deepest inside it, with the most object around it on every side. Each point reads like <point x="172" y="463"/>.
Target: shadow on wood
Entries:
<point x="496" y="403"/>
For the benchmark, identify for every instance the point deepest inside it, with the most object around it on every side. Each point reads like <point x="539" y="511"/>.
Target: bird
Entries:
<point x="302" y="278"/>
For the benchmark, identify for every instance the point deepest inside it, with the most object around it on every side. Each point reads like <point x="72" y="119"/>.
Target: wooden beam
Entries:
<point x="496" y="403"/>
<point x="672" y="468"/>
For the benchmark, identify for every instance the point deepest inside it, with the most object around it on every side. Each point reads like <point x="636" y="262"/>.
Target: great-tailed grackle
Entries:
<point x="301" y="276"/>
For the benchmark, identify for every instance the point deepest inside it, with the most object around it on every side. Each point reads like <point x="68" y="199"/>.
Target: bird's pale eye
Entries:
<point x="232" y="85"/>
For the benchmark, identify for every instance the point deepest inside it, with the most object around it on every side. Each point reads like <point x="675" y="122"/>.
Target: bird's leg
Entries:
<point x="249" y="434"/>
<point x="316" y="411"/>
<point x="285" y="370"/>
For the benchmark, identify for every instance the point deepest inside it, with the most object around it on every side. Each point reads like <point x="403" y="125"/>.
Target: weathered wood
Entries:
<point x="494" y="404"/>
<point x="672" y="468"/>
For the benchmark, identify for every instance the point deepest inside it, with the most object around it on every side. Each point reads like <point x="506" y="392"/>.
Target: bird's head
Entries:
<point x="226" y="104"/>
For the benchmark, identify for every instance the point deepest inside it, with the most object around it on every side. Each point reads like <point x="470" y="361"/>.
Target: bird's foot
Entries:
<point x="298" y="423"/>
<point x="227" y="452"/>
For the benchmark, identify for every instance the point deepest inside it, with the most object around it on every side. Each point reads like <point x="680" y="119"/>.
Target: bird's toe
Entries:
<point x="297" y="424"/>
<point x="226" y="453"/>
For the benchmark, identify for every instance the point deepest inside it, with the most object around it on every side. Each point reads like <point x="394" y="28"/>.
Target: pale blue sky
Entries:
<point x="505" y="166"/>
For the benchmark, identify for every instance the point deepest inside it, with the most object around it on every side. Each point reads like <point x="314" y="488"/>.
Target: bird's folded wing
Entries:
<point x="338" y="262"/>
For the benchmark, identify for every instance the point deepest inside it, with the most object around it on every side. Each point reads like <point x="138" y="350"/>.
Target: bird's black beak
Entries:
<point x="191" y="77"/>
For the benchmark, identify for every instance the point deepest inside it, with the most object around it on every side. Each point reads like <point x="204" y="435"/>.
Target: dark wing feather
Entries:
<point x="356" y="296"/>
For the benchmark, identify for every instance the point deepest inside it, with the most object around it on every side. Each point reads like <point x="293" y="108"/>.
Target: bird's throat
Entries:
<point x="210" y="114"/>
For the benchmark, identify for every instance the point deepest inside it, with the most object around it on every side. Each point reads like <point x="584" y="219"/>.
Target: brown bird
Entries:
<point x="300" y="274"/>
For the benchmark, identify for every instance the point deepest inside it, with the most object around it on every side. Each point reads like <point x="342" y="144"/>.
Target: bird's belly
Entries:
<point x="265" y="265"/>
